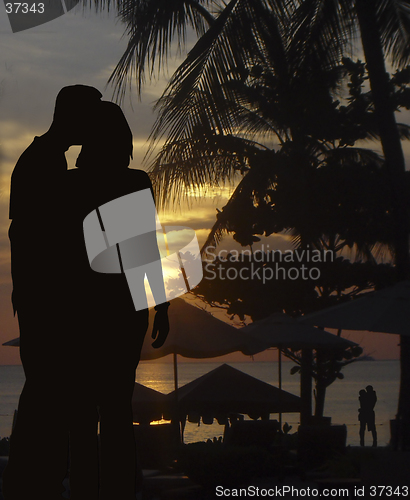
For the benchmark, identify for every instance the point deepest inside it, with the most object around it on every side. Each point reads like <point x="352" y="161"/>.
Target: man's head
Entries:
<point x="369" y="388"/>
<point x="74" y="112"/>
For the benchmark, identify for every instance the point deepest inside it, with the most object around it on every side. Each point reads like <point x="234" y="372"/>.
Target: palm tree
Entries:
<point x="289" y="187"/>
<point x="384" y="28"/>
<point x="258" y="27"/>
<point x="236" y="37"/>
<point x="326" y="26"/>
<point x="261" y="30"/>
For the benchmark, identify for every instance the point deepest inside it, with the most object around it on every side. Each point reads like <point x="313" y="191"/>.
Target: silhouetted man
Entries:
<point x="367" y="399"/>
<point x="39" y="441"/>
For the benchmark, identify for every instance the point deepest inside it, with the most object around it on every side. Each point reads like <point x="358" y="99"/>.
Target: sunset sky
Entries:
<point x="84" y="48"/>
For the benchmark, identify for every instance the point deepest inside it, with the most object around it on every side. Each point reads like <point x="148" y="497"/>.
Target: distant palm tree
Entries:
<point x="384" y="28"/>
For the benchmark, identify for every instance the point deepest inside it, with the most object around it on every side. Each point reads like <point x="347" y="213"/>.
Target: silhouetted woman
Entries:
<point x="107" y="332"/>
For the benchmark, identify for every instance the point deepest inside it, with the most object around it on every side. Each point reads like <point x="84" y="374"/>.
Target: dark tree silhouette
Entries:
<point x="298" y="39"/>
<point x="226" y="285"/>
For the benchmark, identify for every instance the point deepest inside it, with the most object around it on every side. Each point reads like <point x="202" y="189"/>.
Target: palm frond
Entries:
<point x="196" y="163"/>
<point x="211" y="65"/>
<point x="351" y="156"/>
<point x="374" y="252"/>
<point x="242" y="194"/>
<point x="394" y="21"/>
<point x="100" y="5"/>
<point x="404" y="130"/>
<point x="221" y="117"/>
<point x="152" y="26"/>
<point x="323" y="28"/>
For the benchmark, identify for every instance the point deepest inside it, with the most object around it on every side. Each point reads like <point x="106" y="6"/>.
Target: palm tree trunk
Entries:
<point x="320" y="389"/>
<point x="306" y="386"/>
<point x="403" y="411"/>
<point x="389" y="133"/>
<point x="320" y="396"/>
<point x="393" y="154"/>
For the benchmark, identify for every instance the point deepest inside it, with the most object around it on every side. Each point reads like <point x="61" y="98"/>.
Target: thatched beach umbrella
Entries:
<point x="195" y="333"/>
<point x="226" y="390"/>
<point x="282" y="331"/>
<point x="385" y="311"/>
<point x="148" y="405"/>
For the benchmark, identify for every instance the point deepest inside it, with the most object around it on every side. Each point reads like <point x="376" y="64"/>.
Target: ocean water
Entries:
<point x="341" y="397"/>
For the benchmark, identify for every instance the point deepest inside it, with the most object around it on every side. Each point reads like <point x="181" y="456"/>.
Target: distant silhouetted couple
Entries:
<point x="80" y="335"/>
<point x="367" y="400"/>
